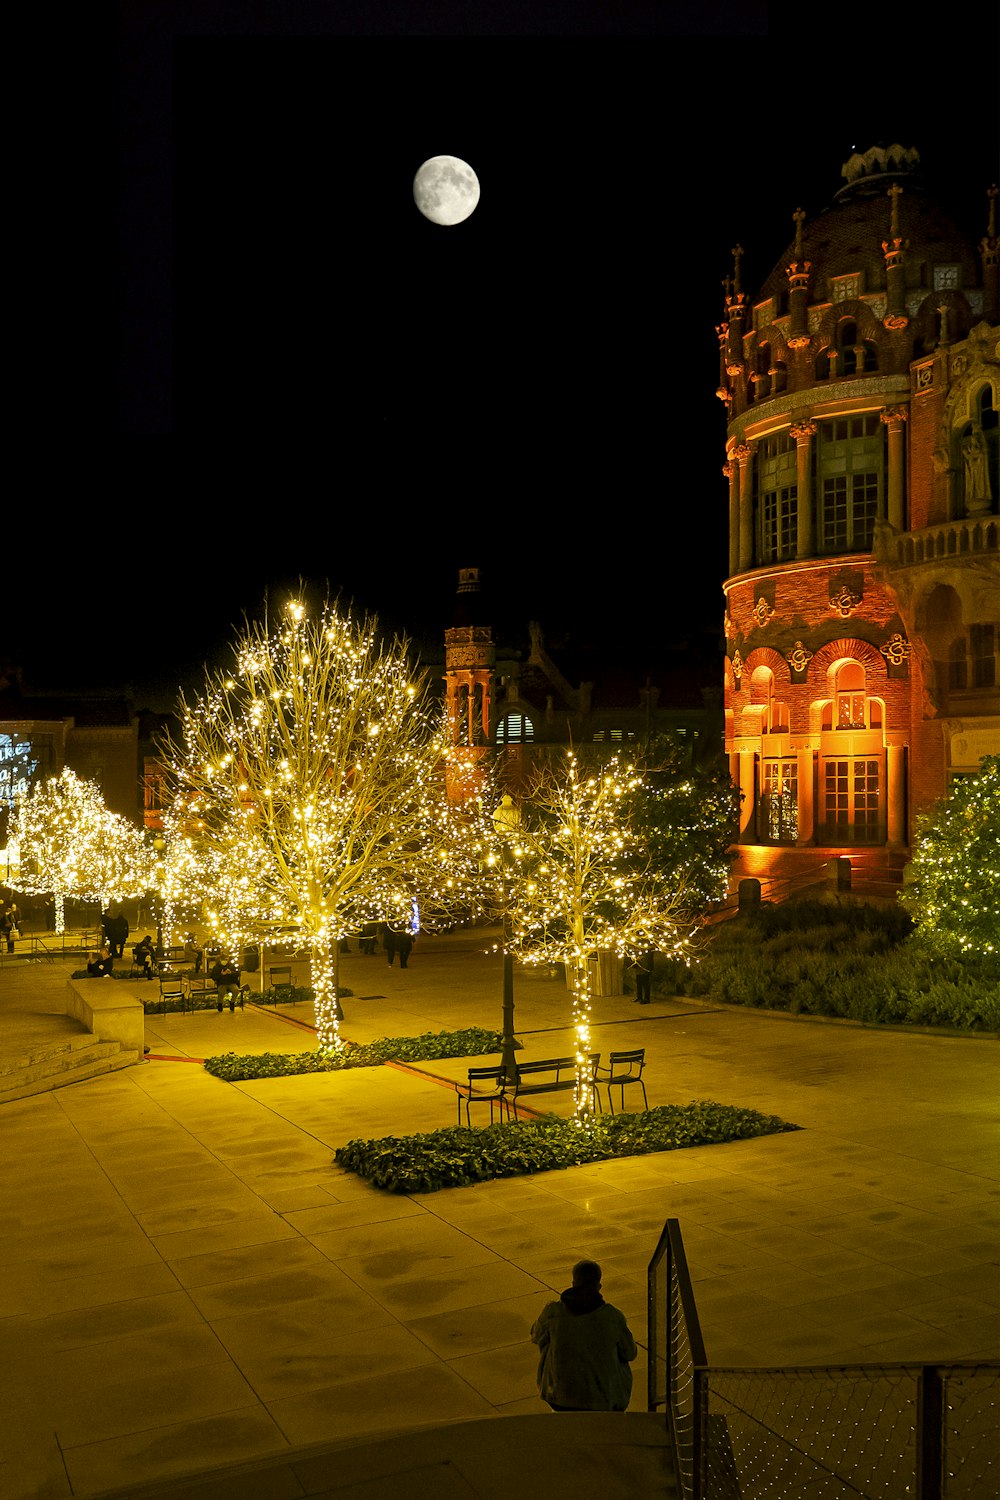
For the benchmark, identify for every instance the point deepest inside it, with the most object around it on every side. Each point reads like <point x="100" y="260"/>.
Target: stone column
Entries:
<point x="894" y="417"/>
<point x="807" y="815"/>
<point x="731" y="471"/>
<point x="744" y="455"/>
<point x="748" y="807"/>
<point x="803" y="433"/>
<point x="895" y="795"/>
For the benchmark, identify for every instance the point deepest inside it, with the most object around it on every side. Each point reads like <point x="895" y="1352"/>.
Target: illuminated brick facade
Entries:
<point x="862" y="388"/>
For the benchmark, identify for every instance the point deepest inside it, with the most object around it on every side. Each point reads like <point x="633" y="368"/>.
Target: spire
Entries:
<point x="798" y="285"/>
<point x="894" y="250"/>
<point x="991" y="261"/>
<point x="737" y="253"/>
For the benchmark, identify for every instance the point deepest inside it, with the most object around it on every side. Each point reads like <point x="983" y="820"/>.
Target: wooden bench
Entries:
<point x="552" y="1075"/>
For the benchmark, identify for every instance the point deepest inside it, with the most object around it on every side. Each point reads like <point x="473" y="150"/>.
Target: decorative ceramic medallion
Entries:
<point x="896" y="649"/>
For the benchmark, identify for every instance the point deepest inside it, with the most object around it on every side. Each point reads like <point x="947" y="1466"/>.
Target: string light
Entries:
<point x="585" y="885"/>
<point x="952" y="887"/>
<point x="71" y="845"/>
<point x="315" y="776"/>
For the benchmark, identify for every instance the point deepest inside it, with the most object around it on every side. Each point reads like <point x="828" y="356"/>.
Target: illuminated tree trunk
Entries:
<point x="580" y="968"/>
<point x="59" y="901"/>
<point x="324" y="967"/>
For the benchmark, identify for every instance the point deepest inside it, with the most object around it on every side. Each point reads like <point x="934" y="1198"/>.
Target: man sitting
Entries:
<point x="142" y="953"/>
<point x="226" y="974"/>
<point x="101" y="963"/>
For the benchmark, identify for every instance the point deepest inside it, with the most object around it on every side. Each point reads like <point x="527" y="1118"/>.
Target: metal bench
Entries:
<point x="552" y="1075"/>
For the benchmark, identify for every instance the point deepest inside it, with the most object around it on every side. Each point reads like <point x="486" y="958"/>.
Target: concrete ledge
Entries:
<point x="106" y="1012"/>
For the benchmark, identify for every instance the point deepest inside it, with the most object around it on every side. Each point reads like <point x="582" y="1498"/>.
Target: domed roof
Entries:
<point x="847" y="237"/>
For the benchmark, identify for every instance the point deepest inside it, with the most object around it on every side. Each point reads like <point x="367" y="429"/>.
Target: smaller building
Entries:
<point x="518" y="701"/>
<point x="95" y="735"/>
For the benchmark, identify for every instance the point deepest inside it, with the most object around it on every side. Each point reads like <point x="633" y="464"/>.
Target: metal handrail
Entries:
<point x="49" y="946"/>
<point x="942" y="1412"/>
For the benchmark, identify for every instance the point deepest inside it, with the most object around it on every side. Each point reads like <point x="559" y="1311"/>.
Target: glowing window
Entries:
<point x="515" y="729"/>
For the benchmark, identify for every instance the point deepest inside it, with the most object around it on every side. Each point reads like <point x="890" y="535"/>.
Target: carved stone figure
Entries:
<point x="977" y="474"/>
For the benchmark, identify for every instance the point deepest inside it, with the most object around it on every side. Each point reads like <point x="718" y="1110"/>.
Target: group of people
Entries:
<point x="115" y="925"/>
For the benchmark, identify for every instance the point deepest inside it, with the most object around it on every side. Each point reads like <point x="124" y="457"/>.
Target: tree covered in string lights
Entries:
<point x="952" y="886"/>
<point x="585" y="882"/>
<point x="688" y="817"/>
<point x="309" y="782"/>
<point x="70" y="845"/>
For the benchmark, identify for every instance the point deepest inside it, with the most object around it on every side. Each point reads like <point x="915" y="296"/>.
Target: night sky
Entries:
<point x="318" y="382"/>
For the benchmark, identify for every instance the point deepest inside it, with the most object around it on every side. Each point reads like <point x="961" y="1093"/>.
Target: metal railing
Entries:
<point x="917" y="1432"/>
<point x="46" y="947"/>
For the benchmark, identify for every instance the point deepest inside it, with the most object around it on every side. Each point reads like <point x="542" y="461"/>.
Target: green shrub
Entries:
<point x="855" y="960"/>
<point x="475" y="1041"/>
<point x="952" y="884"/>
<point x="293" y="994"/>
<point x="457" y="1156"/>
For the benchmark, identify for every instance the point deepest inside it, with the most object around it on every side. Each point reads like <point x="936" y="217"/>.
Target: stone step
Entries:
<point x="47" y="1053"/>
<point x="613" y="1454"/>
<point x="64" y="1067"/>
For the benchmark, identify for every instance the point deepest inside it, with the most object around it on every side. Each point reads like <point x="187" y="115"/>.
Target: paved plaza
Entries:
<point x="190" y="1282"/>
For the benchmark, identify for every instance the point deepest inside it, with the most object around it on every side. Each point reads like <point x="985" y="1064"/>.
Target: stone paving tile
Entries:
<point x="865" y="1234"/>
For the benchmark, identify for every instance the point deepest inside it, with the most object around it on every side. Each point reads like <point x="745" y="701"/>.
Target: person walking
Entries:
<point x="642" y="969"/>
<point x="586" y="1348"/>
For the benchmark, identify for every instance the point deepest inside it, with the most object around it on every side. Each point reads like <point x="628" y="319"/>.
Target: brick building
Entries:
<point x="862" y="390"/>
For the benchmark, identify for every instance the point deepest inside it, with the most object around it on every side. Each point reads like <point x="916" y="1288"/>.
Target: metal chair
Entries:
<point x="470" y="1091"/>
<point x="202" y="992"/>
<point x="623" y="1068"/>
<point x="280" y="981"/>
<point x="173" y="987"/>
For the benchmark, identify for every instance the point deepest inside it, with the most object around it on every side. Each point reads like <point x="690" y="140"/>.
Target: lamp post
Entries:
<point x="506" y="819"/>
<point x="160" y="845"/>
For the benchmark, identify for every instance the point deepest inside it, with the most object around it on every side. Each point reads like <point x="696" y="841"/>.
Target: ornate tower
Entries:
<point x="470" y="659"/>
<point x="862" y="389"/>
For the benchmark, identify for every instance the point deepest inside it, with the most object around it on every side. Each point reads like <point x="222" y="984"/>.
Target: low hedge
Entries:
<point x="854" y="960"/>
<point x="475" y="1041"/>
<point x="292" y="995"/>
<point x="458" y="1156"/>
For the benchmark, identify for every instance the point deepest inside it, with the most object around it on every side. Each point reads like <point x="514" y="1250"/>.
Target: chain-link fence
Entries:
<point x="914" y="1432"/>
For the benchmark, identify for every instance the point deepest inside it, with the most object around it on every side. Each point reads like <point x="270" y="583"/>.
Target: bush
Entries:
<point x="856" y="960"/>
<point x="952" y="886"/>
<point x="293" y="994"/>
<point x="475" y="1041"/>
<point x="457" y="1156"/>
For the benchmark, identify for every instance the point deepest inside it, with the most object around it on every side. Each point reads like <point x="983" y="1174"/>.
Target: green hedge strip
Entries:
<point x="458" y="1156"/>
<point x="475" y="1041"/>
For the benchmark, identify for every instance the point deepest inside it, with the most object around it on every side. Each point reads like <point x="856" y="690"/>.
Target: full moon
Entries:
<point x="446" y="190"/>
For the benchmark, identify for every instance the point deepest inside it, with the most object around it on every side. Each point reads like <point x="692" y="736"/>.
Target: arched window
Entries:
<point x="847" y="354"/>
<point x="849" y="699"/>
<point x="515" y="729"/>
